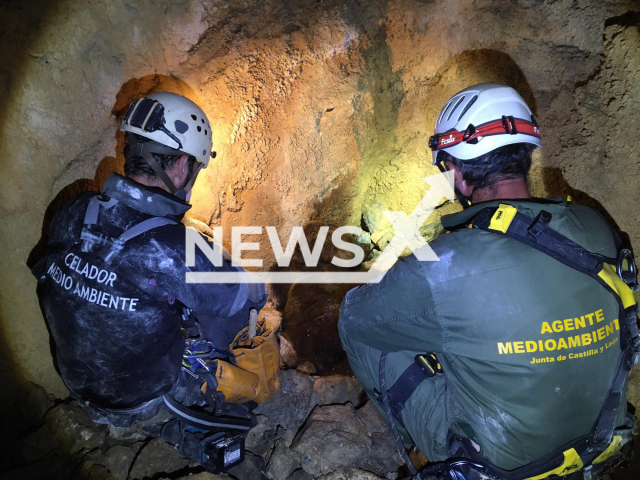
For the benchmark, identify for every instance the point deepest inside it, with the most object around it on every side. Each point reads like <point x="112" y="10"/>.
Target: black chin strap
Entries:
<point x="464" y="200"/>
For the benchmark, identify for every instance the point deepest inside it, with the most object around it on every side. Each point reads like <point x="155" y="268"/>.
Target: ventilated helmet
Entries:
<point x="171" y="125"/>
<point x="480" y="119"/>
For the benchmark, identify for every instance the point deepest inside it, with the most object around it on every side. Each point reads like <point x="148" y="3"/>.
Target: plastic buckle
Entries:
<point x="628" y="276"/>
<point x="468" y="133"/>
<point x="509" y="125"/>
<point x="539" y="224"/>
<point x="429" y="364"/>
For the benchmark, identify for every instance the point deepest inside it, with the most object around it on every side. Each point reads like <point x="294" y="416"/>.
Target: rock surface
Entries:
<point x="336" y="435"/>
<point x="73" y="429"/>
<point x="156" y="456"/>
<point x="118" y="460"/>
<point x="293" y="438"/>
<point x="283" y="461"/>
<point x="300" y="393"/>
<point x="347" y="473"/>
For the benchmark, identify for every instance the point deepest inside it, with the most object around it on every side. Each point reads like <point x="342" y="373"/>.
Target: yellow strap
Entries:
<point x="503" y="217"/>
<point x="572" y="463"/>
<point x="611" y="278"/>
<point x="612" y="449"/>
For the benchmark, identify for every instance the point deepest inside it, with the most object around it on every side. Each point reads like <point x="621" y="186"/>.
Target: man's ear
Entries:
<point x="183" y="165"/>
<point x="182" y="170"/>
<point x="461" y="184"/>
<point x="179" y="172"/>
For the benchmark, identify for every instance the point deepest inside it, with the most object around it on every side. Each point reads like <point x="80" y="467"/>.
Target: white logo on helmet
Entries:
<point x="447" y="141"/>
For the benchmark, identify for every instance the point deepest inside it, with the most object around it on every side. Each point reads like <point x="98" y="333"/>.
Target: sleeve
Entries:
<point x="221" y="308"/>
<point x="398" y="313"/>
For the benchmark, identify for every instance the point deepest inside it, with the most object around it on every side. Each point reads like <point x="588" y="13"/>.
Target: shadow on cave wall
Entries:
<point x="556" y="186"/>
<point x="310" y="310"/>
<point x="18" y="19"/>
<point x="470" y="68"/>
<point x="21" y="19"/>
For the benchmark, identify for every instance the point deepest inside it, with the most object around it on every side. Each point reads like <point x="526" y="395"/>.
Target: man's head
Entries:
<point x="169" y="139"/>
<point x="179" y="168"/>
<point x="486" y="135"/>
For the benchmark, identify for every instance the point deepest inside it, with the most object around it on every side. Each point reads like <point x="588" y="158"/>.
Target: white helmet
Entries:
<point x="175" y="125"/>
<point x="480" y="119"/>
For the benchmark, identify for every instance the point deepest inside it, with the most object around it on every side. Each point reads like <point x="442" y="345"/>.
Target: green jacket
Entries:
<point x="528" y="345"/>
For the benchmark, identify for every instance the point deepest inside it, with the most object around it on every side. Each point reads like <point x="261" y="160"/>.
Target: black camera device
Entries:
<point x="221" y="451"/>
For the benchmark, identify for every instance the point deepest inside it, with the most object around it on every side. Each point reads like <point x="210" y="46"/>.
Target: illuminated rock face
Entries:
<point x="320" y="110"/>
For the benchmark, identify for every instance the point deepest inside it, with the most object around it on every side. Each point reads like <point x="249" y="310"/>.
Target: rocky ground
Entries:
<point x="315" y="427"/>
<point x="321" y="112"/>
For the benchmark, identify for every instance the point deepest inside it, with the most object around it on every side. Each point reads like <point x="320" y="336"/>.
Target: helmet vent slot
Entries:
<point x="468" y="106"/>
<point x="181" y="127"/>
<point x="455" y="107"/>
<point x="194" y="117"/>
<point x="199" y="128"/>
<point x="444" y="111"/>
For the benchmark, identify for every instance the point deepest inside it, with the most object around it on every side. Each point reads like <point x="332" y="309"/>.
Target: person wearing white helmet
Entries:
<point x="130" y="334"/>
<point x="486" y="133"/>
<point x="508" y="358"/>
<point x="169" y="140"/>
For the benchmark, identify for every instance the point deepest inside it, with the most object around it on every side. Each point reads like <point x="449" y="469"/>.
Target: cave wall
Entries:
<point x="320" y="110"/>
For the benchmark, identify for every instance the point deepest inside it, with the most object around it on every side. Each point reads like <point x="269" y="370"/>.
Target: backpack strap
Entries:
<point x="91" y="237"/>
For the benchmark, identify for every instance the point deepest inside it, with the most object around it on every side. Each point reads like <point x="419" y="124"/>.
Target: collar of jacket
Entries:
<point x="460" y="219"/>
<point x="149" y="200"/>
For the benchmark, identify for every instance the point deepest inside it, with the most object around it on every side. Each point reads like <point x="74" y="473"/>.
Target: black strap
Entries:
<point x="424" y="366"/>
<point x="147" y="149"/>
<point x="537" y="234"/>
<point x="403" y="388"/>
<point x="384" y="399"/>
<point x="206" y="421"/>
<point x="159" y="171"/>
